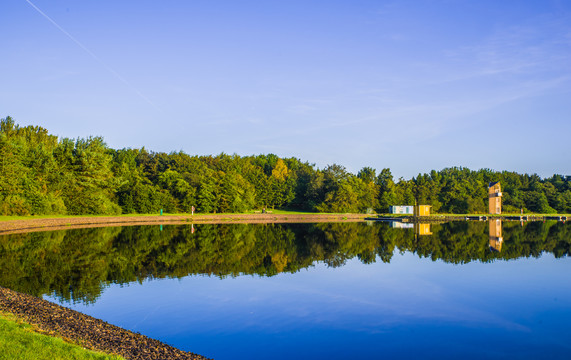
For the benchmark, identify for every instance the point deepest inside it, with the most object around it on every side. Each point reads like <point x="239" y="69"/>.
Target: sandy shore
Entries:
<point x="45" y="224"/>
<point x="86" y="331"/>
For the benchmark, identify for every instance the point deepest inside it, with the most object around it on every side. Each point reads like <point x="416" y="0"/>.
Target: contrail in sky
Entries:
<point x="122" y="79"/>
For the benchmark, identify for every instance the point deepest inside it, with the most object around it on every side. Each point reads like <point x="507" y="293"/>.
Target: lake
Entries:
<point x="333" y="290"/>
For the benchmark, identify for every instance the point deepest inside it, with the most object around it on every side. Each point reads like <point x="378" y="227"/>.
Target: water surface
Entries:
<point x="335" y="291"/>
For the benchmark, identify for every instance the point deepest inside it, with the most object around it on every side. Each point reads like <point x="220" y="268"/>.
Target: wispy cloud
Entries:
<point x="92" y="54"/>
<point x="539" y="46"/>
<point x="58" y="75"/>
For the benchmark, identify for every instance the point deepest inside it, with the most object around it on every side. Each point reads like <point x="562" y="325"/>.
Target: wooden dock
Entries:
<point x="446" y="218"/>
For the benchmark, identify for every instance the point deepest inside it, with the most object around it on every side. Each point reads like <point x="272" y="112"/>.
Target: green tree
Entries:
<point x="90" y="184"/>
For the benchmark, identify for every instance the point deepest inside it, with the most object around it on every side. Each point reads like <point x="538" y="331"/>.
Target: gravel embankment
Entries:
<point x="85" y="330"/>
<point x="46" y="224"/>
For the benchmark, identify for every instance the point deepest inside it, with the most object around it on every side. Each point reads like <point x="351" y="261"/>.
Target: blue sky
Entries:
<point x="409" y="85"/>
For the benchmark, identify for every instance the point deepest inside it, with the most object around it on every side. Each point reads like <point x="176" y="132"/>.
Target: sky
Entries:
<point x="407" y="85"/>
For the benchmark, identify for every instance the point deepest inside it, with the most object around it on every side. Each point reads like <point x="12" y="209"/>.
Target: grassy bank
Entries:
<point x="477" y="214"/>
<point x="19" y="340"/>
<point x="253" y="212"/>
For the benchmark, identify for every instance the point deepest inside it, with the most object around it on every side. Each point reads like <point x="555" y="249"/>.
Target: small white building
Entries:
<point x="401" y="209"/>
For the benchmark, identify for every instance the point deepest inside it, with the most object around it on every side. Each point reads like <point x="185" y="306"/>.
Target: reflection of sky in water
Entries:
<point x="410" y="307"/>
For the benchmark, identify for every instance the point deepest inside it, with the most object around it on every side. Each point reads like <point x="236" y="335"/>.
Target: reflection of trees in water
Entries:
<point x="77" y="264"/>
<point x="71" y="263"/>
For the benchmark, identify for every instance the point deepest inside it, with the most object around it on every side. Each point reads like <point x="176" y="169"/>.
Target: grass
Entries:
<point x="29" y="217"/>
<point x="19" y="341"/>
<point x="270" y="211"/>
<point x="287" y="212"/>
<point x="478" y="214"/>
<point x="502" y="214"/>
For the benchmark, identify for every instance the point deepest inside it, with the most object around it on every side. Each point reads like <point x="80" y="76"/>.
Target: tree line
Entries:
<point x="41" y="174"/>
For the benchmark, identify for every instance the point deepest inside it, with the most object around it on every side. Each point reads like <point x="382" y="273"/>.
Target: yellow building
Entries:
<point x="495" y="198"/>
<point x="496" y="238"/>
<point x="422" y="210"/>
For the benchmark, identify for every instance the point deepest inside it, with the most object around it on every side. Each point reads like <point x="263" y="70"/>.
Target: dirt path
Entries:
<point x="45" y="224"/>
<point x="85" y="330"/>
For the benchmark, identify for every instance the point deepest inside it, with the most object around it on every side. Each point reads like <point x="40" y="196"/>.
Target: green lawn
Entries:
<point x="19" y="341"/>
<point x="28" y="217"/>
<point x="483" y="214"/>
<point x="258" y="211"/>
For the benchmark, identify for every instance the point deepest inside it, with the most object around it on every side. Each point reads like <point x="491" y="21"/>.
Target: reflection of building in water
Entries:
<point x="422" y="229"/>
<point x="401" y="209"/>
<point x="495" y="198"/>
<point x="401" y="225"/>
<point x="419" y="229"/>
<point x="496" y="238"/>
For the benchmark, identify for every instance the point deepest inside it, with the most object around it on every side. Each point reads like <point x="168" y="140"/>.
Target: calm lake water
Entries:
<point x="336" y="291"/>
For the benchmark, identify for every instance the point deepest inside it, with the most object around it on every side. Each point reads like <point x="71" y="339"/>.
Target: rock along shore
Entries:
<point x="85" y="330"/>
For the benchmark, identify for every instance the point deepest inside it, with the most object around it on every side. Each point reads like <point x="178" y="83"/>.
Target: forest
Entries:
<point x="42" y="174"/>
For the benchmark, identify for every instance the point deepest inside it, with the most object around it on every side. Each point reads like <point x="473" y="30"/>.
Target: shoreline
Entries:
<point x="446" y="218"/>
<point x="92" y="333"/>
<point x="89" y="332"/>
<point x="63" y="223"/>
